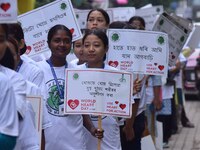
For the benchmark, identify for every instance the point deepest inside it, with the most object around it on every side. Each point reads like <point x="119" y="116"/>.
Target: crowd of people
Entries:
<point x="153" y="97"/>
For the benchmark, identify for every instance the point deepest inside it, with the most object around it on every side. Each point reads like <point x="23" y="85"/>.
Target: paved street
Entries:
<point x="188" y="138"/>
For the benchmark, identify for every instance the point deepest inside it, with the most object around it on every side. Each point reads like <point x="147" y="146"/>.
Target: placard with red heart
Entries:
<point x="73" y="103"/>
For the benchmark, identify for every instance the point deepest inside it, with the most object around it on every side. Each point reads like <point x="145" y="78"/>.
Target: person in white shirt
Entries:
<point x="8" y="112"/>
<point x="29" y="70"/>
<point x="66" y="132"/>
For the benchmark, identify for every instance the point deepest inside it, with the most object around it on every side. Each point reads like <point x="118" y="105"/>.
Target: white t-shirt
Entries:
<point x="111" y="139"/>
<point x="32" y="73"/>
<point x="19" y="87"/>
<point x="74" y="63"/>
<point x="66" y="132"/>
<point x="8" y="111"/>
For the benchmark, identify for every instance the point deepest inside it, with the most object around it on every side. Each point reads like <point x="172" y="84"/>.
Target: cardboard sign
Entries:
<point x="149" y="15"/>
<point x="176" y="32"/>
<point x="81" y="16"/>
<point x="37" y="23"/>
<point x="36" y="102"/>
<point x="122" y="13"/>
<point x="138" y="51"/>
<point x="98" y="92"/>
<point x="8" y="11"/>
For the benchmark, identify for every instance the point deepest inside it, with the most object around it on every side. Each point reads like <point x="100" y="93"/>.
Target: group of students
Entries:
<point x="21" y="76"/>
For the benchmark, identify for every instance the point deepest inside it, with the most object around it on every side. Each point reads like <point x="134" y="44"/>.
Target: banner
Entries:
<point x="36" y="24"/>
<point x="138" y="51"/>
<point x="8" y="11"/>
<point x="122" y="13"/>
<point x="36" y="102"/>
<point x="176" y="32"/>
<point x="98" y="92"/>
<point x="149" y="15"/>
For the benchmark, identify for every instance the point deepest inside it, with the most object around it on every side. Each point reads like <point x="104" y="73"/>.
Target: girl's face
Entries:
<point x="94" y="49"/>
<point x="137" y="24"/>
<point x="60" y="44"/>
<point x="2" y="42"/>
<point x="78" y="49"/>
<point x="96" y="21"/>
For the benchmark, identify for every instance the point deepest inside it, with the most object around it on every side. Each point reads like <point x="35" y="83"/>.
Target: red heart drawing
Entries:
<point x="5" y="6"/>
<point x="122" y="106"/>
<point x="72" y="30"/>
<point x="161" y="67"/>
<point x="116" y="102"/>
<point x="173" y="56"/>
<point x="28" y="49"/>
<point x="113" y="63"/>
<point x="73" y="103"/>
<point x="155" y="64"/>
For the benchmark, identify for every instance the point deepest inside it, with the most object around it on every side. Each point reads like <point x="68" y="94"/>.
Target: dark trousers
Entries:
<point x="166" y="121"/>
<point x="138" y="126"/>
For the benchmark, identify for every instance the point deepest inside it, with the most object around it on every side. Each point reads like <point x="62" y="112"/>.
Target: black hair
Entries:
<point x="103" y="12"/>
<point x="16" y="31"/>
<point x="12" y="40"/>
<point x="137" y="18"/>
<point x="117" y="25"/>
<point x="5" y="28"/>
<point x="100" y="34"/>
<point x="8" y="59"/>
<point x="55" y="28"/>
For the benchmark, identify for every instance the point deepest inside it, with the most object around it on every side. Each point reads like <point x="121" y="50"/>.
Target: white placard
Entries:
<point x="138" y="51"/>
<point x="194" y="39"/>
<point x="8" y="11"/>
<point x="36" y="102"/>
<point x="98" y="92"/>
<point x="149" y="14"/>
<point x="177" y="35"/>
<point x="36" y="24"/>
<point x="81" y="16"/>
<point x="122" y="13"/>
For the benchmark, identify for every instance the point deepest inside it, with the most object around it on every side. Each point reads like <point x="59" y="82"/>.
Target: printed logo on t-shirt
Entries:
<point x="55" y="105"/>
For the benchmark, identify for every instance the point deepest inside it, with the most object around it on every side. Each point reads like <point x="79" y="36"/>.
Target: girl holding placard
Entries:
<point x="67" y="130"/>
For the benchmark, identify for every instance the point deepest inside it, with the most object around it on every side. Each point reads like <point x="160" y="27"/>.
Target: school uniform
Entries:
<point x="66" y="132"/>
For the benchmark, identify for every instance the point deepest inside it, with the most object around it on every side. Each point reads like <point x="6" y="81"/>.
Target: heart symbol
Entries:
<point x="72" y="30"/>
<point x="28" y="49"/>
<point x="173" y="57"/>
<point x="113" y="63"/>
<point x="122" y="106"/>
<point x="116" y="102"/>
<point x="5" y="6"/>
<point x="155" y="64"/>
<point x="73" y="103"/>
<point x="161" y="67"/>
